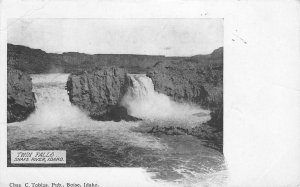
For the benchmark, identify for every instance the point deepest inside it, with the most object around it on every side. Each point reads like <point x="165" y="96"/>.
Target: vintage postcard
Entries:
<point x="117" y="93"/>
<point x="96" y="98"/>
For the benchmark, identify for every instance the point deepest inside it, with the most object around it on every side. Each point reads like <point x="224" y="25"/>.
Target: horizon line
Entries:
<point x="61" y="53"/>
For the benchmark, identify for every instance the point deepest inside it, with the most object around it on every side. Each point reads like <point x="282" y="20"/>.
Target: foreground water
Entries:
<point x="57" y="125"/>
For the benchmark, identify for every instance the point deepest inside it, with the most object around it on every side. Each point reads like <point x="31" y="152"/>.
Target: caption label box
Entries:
<point x="38" y="157"/>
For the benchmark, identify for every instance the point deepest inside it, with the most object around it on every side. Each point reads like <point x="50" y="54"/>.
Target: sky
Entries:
<point x="169" y="37"/>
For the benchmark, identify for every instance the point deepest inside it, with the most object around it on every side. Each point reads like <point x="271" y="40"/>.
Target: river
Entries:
<point x="58" y="125"/>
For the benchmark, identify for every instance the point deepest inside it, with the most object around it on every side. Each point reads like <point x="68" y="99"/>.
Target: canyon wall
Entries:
<point x="194" y="80"/>
<point x="99" y="93"/>
<point x="191" y="81"/>
<point x="38" y="61"/>
<point x="20" y="98"/>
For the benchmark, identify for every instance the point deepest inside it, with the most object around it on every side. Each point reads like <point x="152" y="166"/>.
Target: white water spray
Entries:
<point x="143" y="101"/>
<point x="53" y="107"/>
<point x="54" y="110"/>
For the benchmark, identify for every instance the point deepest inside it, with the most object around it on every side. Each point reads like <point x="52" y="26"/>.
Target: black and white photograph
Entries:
<point x="144" y="93"/>
<point x="149" y="93"/>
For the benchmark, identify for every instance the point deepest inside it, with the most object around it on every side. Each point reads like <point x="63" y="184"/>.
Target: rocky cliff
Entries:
<point x="189" y="81"/>
<point x="38" y="61"/>
<point x="20" y="98"/>
<point x="198" y="81"/>
<point x="99" y="93"/>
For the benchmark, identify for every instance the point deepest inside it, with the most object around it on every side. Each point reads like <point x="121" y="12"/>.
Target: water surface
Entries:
<point x="57" y="125"/>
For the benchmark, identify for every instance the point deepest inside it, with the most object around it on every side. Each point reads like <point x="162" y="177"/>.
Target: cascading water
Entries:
<point x="53" y="107"/>
<point x="143" y="101"/>
<point x="57" y="125"/>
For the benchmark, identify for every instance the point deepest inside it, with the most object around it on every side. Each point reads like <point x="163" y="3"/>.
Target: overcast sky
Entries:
<point x="169" y="37"/>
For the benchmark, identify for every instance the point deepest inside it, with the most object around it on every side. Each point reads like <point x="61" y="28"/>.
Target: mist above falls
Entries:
<point x="54" y="109"/>
<point x="141" y="100"/>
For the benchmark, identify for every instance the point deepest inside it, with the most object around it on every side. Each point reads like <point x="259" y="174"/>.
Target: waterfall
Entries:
<point x="58" y="125"/>
<point x="50" y="88"/>
<point x="143" y="101"/>
<point x="53" y="107"/>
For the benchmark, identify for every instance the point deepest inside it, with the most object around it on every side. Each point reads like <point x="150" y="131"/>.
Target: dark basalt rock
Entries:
<point x="211" y="136"/>
<point x="192" y="80"/>
<point x="20" y="98"/>
<point x="187" y="81"/>
<point x="99" y="93"/>
<point x="117" y="114"/>
<point x="197" y="80"/>
<point x="38" y="61"/>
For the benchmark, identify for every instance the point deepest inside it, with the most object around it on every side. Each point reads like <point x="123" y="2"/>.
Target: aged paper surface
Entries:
<point x="156" y="117"/>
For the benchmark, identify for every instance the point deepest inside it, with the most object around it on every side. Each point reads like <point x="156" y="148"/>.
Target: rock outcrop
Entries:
<point x="187" y="81"/>
<point x="192" y="81"/>
<point x="197" y="80"/>
<point x="20" y="98"/>
<point x="38" y="61"/>
<point x="99" y="93"/>
<point x="212" y="137"/>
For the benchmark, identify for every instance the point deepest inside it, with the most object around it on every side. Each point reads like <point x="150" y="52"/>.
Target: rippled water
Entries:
<point x="57" y="125"/>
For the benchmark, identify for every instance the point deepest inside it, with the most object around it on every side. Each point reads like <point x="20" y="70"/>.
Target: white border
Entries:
<point x="261" y="86"/>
